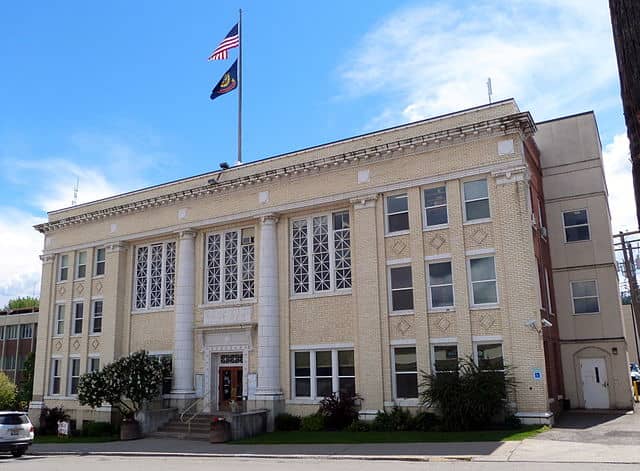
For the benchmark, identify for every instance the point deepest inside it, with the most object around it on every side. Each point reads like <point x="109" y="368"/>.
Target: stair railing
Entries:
<point x="190" y="413"/>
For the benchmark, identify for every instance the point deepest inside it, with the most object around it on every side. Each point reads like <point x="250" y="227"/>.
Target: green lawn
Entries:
<point x="55" y="439"/>
<point x="392" y="437"/>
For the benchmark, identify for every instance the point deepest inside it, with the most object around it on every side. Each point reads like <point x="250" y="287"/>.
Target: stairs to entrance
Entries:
<point x="200" y="427"/>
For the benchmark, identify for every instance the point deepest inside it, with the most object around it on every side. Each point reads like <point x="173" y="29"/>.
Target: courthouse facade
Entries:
<point x="351" y="266"/>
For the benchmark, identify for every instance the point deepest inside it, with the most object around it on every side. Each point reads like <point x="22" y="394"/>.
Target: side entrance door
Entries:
<point x="595" y="386"/>
<point x="229" y="386"/>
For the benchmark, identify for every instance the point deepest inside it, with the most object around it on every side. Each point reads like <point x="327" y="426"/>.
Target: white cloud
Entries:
<point x="617" y="167"/>
<point x="433" y="59"/>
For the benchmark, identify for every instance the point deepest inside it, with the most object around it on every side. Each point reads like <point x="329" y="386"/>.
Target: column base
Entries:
<point x="181" y="399"/>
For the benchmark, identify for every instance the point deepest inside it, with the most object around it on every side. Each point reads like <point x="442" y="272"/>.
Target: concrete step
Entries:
<point x="183" y="429"/>
<point x="182" y="436"/>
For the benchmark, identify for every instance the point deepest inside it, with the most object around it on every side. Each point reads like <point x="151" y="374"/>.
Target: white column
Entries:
<point x="184" y="305"/>
<point x="268" y="311"/>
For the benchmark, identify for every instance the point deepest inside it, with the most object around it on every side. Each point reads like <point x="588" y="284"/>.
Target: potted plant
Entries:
<point x="126" y="384"/>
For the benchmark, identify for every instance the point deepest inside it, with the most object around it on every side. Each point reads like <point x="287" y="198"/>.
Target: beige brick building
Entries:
<point x="350" y="266"/>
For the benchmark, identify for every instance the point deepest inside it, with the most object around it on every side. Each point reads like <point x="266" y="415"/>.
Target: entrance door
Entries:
<point x="595" y="386"/>
<point x="229" y="386"/>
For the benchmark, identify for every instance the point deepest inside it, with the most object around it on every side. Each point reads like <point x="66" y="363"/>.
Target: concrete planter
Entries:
<point x="130" y="430"/>
<point x="220" y="432"/>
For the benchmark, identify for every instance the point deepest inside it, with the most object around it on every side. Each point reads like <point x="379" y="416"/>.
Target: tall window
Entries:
<point x="435" y="206"/>
<point x="155" y="274"/>
<point x="585" y="297"/>
<point x="54" y="388"/>
<point x="78" y="316"/>
<point x="483" y="281"/>
<point x="401" y="289"/>
<point x="26" y="331"/>
<point x="96" y="317"/>
<point x="405" y="373"/>
<point x="476" y="200"/>
<point x="445" y="358"/>
<point x="11" y="332"/>
<point x="321" y="253"/>
<point x="230" y="270"/>
<point x="320" y="373"/>
<point x="93" y="364"/>
<point x="397" y="207"/>
<point x="81" y="264"/>
<point x="100" y="261"/>
<point x="63" y="268"/>
<point x="576" y="225"/>
<point x="490" y="356"/>
<point x="440" y="285"/>
<point x="58" y="328"/>
<point x="74" y="375"/>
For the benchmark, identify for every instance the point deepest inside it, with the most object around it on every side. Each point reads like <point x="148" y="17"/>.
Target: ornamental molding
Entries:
<point x="520" y="123"/>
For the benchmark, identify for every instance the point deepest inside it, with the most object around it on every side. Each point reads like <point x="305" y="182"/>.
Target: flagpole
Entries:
<point x="240" y="80"/>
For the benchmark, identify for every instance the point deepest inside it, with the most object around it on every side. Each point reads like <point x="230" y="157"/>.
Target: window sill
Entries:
<point x="97" y="334"/>
<point x="61" y="282"/>
<point x="224" y="304"/>
<point x="61" y="397"/>
<point x="476" y="221"/>
<point x="79" y="279"/>
<point x="439" y="227"/>
<point x="303" y="401"/>
<point x="57" y="336"/>
<point x="576" y="241"/>
<point x="484" y="307"/>
<point x="401" y="313"/>
<point x="397" y="233"/>
<point x="402" y="402"/>
<point x="295" y="297"/>
<point x="154" y="310"/>
<point x="578" y="314"/>
<point x="436" y="310"/>
<point x="98" y="277"/>
<point x="75" y="335"/>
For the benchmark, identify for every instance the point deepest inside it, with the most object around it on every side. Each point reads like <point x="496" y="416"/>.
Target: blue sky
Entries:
<point x="116" y="93"/>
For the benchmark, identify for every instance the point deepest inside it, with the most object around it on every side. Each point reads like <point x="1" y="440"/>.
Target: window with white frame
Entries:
<point x="58" y="326"/>
<point x="440" y="285"/>
<point x="482" y="272"/>
<point x="63" y="268"/>
<point x="54" y="387"/>
<point x="155" y="275"/>
<point x="401" y="288"/>
<point x="93" y="364"/>
<point x="78" y="317"/>
<point x="445" y="358"/>
<point x="397" y="208"/>
<point x="476" y="200"/>
<point x="96" y="316"/>
<point x="74" y="376"/>
<point x="576" y="225"/>
<point x="320" y="373"/>
<point x="100" y="261"/>
<point x="230" y="265"/>
<point x="489" y="356"/>
<point x="405" y="373"/>
<point x="11" y="332"/>
<point x="321" y="253"/>
<point x="585" y="297"/>
<point x="26" y="331"/>
<point x="81" y="264"/>
<point x="435" y="206"/>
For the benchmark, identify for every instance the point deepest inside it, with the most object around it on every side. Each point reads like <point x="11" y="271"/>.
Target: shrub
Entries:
<point x="99" y="429"/>
<point x="468" y="398"/>
<point x="7" y="392"/>
<point x="312" y="423"/>
<point x="287" y="422"/>
<point x="512" y="422"/>
<point x="339" y="410"/>
<point x="425" y="421"/>
<point x="358" y="426"/>
<point x="49" y="418"/>
<point x="396" y="420"/>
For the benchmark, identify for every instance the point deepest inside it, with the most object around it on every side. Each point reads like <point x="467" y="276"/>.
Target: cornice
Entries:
<point x="522" y="123"/>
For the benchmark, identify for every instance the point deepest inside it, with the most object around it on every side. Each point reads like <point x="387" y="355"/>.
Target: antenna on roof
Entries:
<point x="489" y="91"/>
<point x="75" y="192"/>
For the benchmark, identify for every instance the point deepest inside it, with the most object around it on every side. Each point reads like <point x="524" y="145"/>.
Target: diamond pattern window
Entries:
<point x="230" y="265"/>
<point x="155" y="272"/>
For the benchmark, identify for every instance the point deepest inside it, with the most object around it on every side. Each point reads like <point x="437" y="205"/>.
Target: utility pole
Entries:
<point x="630" y="272"/>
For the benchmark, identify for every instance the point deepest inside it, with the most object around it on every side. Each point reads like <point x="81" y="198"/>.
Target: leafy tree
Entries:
<point x="126" y="384"/>
<point x="25" y="386"/>
<point x="469" y="397"/>
<point x="19" y="302"/>
<point x="7" y="392"/>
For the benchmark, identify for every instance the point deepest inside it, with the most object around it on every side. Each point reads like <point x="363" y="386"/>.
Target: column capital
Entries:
<point x="187" y="234"/>
<point x="116" y="247"/>
<point x="46" y="259"/>
<point x="270" y="218"/>
<point x="362" y="202"/>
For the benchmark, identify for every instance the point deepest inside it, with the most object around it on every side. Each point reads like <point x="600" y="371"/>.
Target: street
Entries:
<point x="109" y="463"/>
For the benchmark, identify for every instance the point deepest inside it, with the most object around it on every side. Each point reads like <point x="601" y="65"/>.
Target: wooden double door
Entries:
<point x="229" y="387"/>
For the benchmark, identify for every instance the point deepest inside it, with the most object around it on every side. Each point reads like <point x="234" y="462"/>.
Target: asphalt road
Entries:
<point x="108" y="463"/>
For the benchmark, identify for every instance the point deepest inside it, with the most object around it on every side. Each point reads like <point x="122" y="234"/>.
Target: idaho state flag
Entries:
<point x="227" y="83"/>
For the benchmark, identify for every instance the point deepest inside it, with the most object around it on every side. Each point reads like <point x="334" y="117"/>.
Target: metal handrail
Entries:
<point x="197" y="412"/>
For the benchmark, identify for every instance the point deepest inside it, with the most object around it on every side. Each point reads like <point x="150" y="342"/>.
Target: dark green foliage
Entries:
<point x="99" y="429"/>
<point x="49" y="418"/>
<point x="312" y="423"/>
<point x="358" y="426"/>
<point x="468" y="398"/>
<point x="287" y="423"/>
<point x="339" y="410"/>
<point x="397" y="420"/>
<point x="425" y="422"/>
<point x="512" y="422"/>
<point x="25" y="387"/>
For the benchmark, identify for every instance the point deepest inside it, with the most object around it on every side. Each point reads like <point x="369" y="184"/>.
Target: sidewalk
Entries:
<point x="530" y="450"/>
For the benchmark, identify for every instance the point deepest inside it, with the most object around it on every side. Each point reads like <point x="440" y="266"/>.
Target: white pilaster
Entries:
<point x="268" y="312"/>
<point x="184" y="306"/>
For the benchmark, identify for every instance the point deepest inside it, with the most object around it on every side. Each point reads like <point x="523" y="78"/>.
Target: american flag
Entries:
<point x="230" y="41"/>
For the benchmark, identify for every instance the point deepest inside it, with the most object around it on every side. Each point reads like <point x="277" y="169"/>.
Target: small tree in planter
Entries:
<point x="126" y="384"/>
